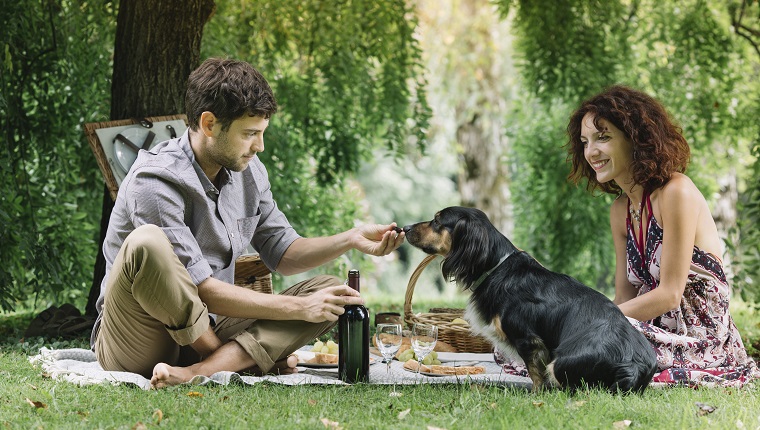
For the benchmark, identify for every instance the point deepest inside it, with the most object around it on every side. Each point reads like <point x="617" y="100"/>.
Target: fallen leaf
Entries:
<point x="576" y="404"/>
<point x="83" y="414"/>
<point x="38" y="405"/>
<point x="492" y="406"/>
<point x="621" y="424"/>
<point x="704" y="409"/>
<point x="158" y="416"/>
<point x="538" y="404"/>
<point x="403" y="414"/>
<point x="312" y="402"/>
<point x="32" y="386"/>
<point x="395" y="394"/>
<point x="194" y="394"/>
<point x="224" y="399"/>
<point x="331" y="424"/>
<point x="139" y="426"/>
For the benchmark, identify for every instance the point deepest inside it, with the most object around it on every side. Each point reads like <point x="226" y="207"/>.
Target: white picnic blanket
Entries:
<point x="79" y="366"/>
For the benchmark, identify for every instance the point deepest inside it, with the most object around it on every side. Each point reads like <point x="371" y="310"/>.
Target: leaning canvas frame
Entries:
<point x="101" y="136"/>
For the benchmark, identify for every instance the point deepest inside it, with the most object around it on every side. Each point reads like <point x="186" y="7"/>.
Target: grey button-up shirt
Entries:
<point x="208" y="227"/>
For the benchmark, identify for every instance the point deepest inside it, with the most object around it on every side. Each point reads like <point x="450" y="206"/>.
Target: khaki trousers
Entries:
<point x="152" y="312"/>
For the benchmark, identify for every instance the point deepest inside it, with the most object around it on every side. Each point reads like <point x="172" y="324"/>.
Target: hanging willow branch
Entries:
<point x="752" y="35"/>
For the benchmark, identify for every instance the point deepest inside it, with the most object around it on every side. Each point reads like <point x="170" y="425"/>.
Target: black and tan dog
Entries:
<point x="568" y="334"/>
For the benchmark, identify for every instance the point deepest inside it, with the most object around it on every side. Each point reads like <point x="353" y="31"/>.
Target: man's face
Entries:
<point x="237" y="146"/>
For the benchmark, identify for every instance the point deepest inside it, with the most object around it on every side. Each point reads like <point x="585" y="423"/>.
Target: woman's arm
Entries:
<point x="624" y="291"/>
<point x="679" y="203"/>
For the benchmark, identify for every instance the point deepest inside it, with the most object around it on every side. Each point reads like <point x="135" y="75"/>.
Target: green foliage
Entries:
<point x="747" y="248"/>
<point x="571" y="49"/>
<point x="54" y="77"/>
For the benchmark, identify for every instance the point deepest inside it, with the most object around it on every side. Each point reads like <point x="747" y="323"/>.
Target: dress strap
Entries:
<point x="641" y="242"/>
<point x="648" y="206"/>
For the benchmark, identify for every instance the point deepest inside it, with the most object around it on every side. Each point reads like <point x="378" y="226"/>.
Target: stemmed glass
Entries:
<point x="424" y="337"/>
<point x="388" y="339"/>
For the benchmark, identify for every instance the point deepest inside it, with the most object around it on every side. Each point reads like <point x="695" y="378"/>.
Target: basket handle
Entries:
<point x="408" y="314"/>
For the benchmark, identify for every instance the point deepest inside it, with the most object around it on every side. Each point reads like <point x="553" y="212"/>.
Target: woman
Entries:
<point x="669" y="280"/>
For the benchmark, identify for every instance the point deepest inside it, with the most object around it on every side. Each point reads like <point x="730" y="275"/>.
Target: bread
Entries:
<point x="444" y="370"/>
<point x="320" y="358"/>
<point x="459" y="370"/>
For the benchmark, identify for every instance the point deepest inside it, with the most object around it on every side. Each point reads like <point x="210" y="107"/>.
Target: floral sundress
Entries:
<point x="697" y="343"/>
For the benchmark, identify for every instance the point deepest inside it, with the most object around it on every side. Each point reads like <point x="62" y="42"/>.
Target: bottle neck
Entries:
<point x="353" y="280"/>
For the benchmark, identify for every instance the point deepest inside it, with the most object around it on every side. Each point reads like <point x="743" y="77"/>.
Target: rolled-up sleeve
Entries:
<point x="154" y="197"/>
<point x="274" y="234"/>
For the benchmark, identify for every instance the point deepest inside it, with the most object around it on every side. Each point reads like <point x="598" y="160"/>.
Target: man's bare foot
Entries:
<point x="286" y="366"/>
<point x="167" y="376"/>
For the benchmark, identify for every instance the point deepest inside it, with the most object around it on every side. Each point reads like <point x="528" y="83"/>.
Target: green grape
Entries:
<point x="318" y="346"/>
<point x="433" y="354"/>
<point x="437" y="362"/>
<point x="406" y="355"/>
<point x="427" y="360"/>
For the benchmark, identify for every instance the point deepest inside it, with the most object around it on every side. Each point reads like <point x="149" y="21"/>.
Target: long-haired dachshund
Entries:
<point x="567" y="333"/>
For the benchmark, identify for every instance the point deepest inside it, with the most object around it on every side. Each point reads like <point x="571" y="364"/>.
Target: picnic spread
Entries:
<point x="79" y="366"/>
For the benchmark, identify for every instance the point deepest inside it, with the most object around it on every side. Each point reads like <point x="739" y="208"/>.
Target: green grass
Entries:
<point x="271" y="406"/>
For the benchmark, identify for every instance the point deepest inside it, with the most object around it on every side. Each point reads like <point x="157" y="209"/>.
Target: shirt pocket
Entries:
<point x="246" y="228"/>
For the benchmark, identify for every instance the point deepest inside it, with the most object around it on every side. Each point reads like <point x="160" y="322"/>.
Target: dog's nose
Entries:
<point x="407" y="228"/>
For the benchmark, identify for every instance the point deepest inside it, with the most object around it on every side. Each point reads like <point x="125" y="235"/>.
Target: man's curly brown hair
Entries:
<point x="659" y="148"/>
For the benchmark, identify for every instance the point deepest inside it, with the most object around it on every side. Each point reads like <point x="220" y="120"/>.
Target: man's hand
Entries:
<point x="378" y="239"/>
<point x="327" y="304"/>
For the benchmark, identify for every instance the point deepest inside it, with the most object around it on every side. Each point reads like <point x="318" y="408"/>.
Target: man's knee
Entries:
<point x="324" y="281"/>
<point x="147" y="238"/>
<point x="313" y="285"/>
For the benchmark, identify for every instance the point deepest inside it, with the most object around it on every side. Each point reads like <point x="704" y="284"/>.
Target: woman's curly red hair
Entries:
<point x="659" y="148"/>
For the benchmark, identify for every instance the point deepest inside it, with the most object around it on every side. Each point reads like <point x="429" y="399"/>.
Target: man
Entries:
<point x="184" y="213"/>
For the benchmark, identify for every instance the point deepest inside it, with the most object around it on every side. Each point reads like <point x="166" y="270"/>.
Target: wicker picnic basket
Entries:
<point x="250" y="272"/>
<point x="456" y="335"/>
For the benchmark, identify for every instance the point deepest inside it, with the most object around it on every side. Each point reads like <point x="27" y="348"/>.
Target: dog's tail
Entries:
<point x="631" y="374"/>
<point x="632" y="377"/>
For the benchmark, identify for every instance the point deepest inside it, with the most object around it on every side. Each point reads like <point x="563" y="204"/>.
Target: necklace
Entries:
<point x="635" y="213"/>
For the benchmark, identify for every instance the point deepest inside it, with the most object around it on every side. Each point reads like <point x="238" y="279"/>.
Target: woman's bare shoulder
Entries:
<point x="680" y="190"/>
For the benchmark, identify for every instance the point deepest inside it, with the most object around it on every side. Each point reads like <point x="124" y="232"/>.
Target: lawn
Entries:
<point x="29" y="399"/>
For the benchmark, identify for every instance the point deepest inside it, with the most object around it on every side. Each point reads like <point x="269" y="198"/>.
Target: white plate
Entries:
<point x="448" y="357"/>
<point x="426" y="373"/>
<point x="124" y="154"/>
<point x="459" y="364"/>
<point x="304" y="356"/>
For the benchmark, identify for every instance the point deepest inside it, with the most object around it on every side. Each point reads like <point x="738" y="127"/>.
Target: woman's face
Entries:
<point x="607" y="150"/>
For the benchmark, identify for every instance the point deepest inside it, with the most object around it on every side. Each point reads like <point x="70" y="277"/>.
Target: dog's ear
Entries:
<point x="469" y="254"/>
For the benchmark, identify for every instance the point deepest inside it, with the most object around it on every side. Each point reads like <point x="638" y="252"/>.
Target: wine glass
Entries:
<point x="388" y="339"/>
<point x="424" y="337"/>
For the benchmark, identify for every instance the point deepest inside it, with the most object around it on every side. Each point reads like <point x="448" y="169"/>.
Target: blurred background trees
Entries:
<point x="392" y="109"/>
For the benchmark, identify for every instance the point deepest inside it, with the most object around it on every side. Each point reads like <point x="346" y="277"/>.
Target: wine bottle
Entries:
<point x="353" y="339"/>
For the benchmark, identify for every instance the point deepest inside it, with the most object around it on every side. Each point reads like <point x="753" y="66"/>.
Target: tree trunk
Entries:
<point x="157" y="46"/>
<point x="468" y="50"/>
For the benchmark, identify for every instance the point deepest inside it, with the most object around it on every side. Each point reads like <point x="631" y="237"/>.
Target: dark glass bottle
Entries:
<point x="353" y="339"/>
